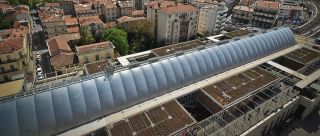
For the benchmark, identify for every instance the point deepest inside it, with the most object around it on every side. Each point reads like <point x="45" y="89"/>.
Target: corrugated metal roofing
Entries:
<point x="63" y="108"/>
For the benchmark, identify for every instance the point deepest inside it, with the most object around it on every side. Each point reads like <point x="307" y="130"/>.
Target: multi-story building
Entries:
<point x="61" y="56"/>
<point x="265" y="14"/>
<point x="19" y="13"/>
<point x="110" y="11"/>
<point x="82" y="10"/>
<point x="242" y="14"/>
<point x="68" y="6"/>
<point x="13" y="58"/>
<point x="126" y="7"/>
<point x="212" y="19"/>
<point x="72" y="25"/>
<point x="91" y="24"/>
<point x="129" y="22"/>
<point x="95" y="52"/>
<point x="177" y="24"/>
<point x="52" y="20"/>
<point x="153" y="8"/>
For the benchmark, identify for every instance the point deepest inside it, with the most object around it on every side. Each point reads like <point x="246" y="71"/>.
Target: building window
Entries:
<point x="97" y="57"/>
<point x="11" y="67"/>
<point x="87" y="60"/>
<point x="5" y="77"/>
<point x="2" y="69"/>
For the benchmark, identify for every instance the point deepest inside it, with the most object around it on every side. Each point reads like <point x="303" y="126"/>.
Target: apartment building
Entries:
<point x="68" y="6"/>
<point x="265" y="14"/>
<point x="19" y="13"/>
<point x="242" y="14"/>
<point x="61" y="56"/>
<point x="13" y="58"/>
<point x="91" y="24"/>
<point x="129" y="22"/>
<point x="177" y="24"/>
<point x="72" y="25"/>
<point x="95" y="52"/>
<point x="212" y="19"/>
<point x="82" y="10"/>
<point x="52" y="20"/>
<point x="126" y="7"/>
<point x="153" y="8"/>
<point x="110" y="11"/>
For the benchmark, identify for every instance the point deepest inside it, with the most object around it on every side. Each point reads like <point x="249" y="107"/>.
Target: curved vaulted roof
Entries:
<point x="69" y="106"/>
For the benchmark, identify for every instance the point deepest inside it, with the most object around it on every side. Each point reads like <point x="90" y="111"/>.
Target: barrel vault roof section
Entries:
<point x="63" y="108"/>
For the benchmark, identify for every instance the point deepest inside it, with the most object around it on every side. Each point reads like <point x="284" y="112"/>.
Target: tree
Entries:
<point x="13" y="2"/>
<point x="118" y="38"/>
<point x="86" y="37"/>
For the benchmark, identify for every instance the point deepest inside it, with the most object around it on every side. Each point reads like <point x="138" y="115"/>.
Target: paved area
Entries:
<point x="307" y="127"/>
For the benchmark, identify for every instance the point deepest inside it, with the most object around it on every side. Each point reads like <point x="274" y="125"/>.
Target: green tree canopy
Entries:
<point x="86" y="37"/>
<point x="118" y="38"/>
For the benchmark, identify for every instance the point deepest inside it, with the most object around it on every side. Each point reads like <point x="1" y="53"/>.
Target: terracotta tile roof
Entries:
<point x="60" y="52"/>
<point x="74" y="29"/>
<point x="179" y="9"/>
<point x="71" y="21"/>
<point x="137" y="13"/>
<point x="62" y="59"/>
<point x="160" y="4"/>
<point x="127" y="19"/>
<point x="94" y="67"/>
<point x="267" y="4"/>
<point x="11" y="44"/>
<point x="54" y="4"/>
<point x="82" y="7"/>
<point x="5" y="33"/>
<point x="19" y="30"/>
<point x="4" y="7"/>
<point x="109" y="25"/>
<point x="57" y="44"/>
<point x="126" y="4"/>
<point x="85" y="21"/>
<point x="243" y="8"/>
<point x="49" y="14"/>
<point x="93" y="47"/>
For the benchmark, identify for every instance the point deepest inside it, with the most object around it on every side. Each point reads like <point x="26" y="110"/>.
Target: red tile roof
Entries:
<point x="109" y="25"/>
<point x="74" y="29"/>
<point x="55" y="4"/>
<point x="160" y="4"/>
<point x="94" y="47"/>
<point x="60" y="52"/>
<point x="71" y="21"/>
<point x="267" y="4"/>
<point x="180" y="8"/>
<point x="19" y="30"/>
<point x="85" y="21"/>
<point x="49" y="14"/>
<point x="137" y="13"/>
<point x="11" y="44"/>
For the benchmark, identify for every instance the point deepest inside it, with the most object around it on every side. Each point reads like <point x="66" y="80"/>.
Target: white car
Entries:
<point x="39" y="69"/>
<point x="40" y="77"/>
<point x="39" y="73"/>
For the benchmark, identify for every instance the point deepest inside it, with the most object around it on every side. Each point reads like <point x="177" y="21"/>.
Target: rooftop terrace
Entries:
<point x="177" y="47"/>
<point x="231" y="89"/>
<point x="161" y="120"/>
<point x="303" y="55"/>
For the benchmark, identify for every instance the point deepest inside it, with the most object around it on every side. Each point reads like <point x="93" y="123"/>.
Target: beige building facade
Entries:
<point x="95" y="52"/>
<point x="177" y="24"/>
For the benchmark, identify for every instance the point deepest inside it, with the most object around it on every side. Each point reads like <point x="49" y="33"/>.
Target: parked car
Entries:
<point x="39" y="69"/>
